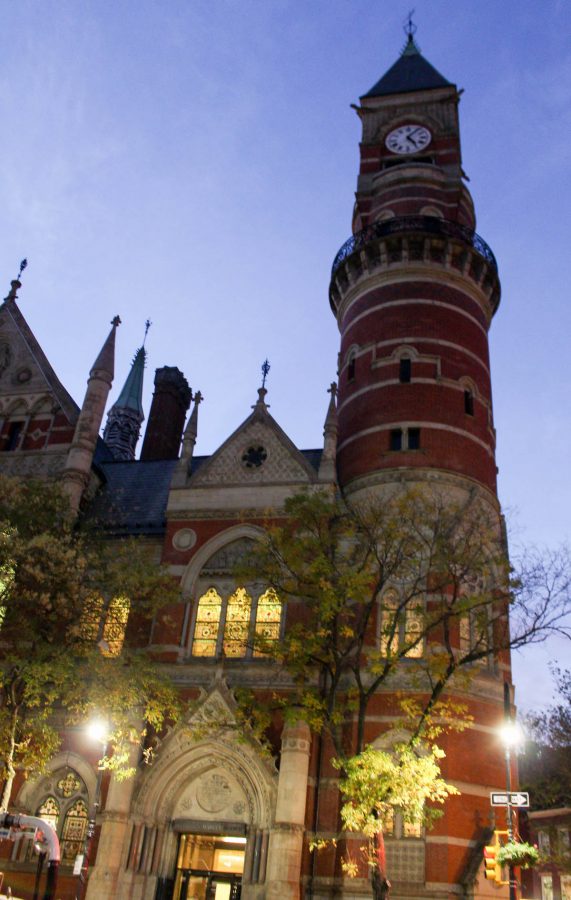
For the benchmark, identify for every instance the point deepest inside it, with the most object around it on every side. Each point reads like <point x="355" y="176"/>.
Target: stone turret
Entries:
<point x="77" y="468"/>
<point x="327" y="468"/>
<point x="182" y="471"/>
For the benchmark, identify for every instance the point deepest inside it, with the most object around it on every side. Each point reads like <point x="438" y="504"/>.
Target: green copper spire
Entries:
<point x="131" y="397"/>
<point x="126" y="415"/>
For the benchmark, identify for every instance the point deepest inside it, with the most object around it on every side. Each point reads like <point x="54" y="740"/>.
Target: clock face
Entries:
<point x="408" y="139"/>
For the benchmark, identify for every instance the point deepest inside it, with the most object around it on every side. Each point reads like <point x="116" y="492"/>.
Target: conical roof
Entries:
<point x="105" y="362"/>
<point x="411" y="72"/>
<point x="131" y="397"/>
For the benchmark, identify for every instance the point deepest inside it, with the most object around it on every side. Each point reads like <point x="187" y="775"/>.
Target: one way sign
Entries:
<point x="516" y="798"/>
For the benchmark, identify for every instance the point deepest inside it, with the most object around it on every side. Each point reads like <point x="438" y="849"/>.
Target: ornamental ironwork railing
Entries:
<point x="407" y="224"/>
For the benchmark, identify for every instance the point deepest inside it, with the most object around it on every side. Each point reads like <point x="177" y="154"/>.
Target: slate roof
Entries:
<point x="133" y="498"/>
<point x="411" y="72"/>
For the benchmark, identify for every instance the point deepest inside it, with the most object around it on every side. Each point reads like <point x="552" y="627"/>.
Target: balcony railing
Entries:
<point x="408" y="224"/>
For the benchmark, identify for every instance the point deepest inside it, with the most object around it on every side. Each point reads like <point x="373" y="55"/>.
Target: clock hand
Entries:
<point x="414" y="144"/>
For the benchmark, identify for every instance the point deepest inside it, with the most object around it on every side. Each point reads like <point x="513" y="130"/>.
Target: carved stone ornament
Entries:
<point x="184" y="539"/>
<point x="5" y="356"/>
<point x="213" y="793"/>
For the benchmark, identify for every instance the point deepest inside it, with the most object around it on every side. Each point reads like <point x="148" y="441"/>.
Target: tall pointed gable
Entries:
<point x="256" y="468"/>
<point x="24" y="367"/>
<point x="411" y="72"/>
<point x="258" y="452"/>
<point x="37" y="414"/>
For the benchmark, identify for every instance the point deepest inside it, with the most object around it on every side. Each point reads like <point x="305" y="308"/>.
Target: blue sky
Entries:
<point x="194" y="161"/>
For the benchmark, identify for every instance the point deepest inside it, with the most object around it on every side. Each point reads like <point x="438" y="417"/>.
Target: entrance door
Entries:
<point x="209" y="867"/>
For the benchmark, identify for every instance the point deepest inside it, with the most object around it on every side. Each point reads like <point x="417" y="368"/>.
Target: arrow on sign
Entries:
<point x="515" y="798"/>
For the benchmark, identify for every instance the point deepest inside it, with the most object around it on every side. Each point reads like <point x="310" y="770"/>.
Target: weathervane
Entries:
<point x="265" y="370"/>
<point x="148" y="324"/>
<point x="409" y="26"/>
<point x="23" y="265"/>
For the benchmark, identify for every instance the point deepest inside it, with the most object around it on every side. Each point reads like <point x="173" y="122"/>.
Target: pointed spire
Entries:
<point x="327" y="464"/>
<point x="77" y="469"/>
<point x="104" y="365"/>
<point x="191" y="432"/>
<point x="182" y="471"/>
<point x="411" y="72"/>
<point x="125" y="417"/>
<point x="16" y="284"/>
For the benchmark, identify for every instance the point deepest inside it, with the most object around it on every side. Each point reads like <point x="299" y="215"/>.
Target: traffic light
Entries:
<point x="492" y="869"/>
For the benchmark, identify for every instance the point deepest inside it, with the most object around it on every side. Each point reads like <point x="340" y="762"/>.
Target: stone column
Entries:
<point x="103" y="882"/>
<point x="286" y="839"/>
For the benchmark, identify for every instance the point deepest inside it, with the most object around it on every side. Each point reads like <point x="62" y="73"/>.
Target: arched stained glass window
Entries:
<point x="401" y="627"/>
<point x="268" y="619"/>
<point x="49" y="811"/>
<point x="389" y="624"/>
<point x="237" y="625"/>
<point x="207" y="622"/>
<point x="116" y="625"/>
<point x="74" y="831"/>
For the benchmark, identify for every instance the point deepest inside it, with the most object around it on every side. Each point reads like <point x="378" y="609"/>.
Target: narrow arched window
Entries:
<point x="402" y="626"/>
<point x="49" y="812"/>
<point x="468" y="403"/>
<point x="268" y="620"/>
<point x="115" y="625"/>
<point x="351" y="367"/>
<point x="207" y="623"/>
<point x="237" y="625"/>
<point x="74" y="831"/>
<point x="405" y="370"/>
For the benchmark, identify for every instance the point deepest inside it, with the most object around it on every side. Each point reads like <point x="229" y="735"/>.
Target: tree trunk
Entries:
<point x="10" y="771"/>
<point x="381" y="884"/>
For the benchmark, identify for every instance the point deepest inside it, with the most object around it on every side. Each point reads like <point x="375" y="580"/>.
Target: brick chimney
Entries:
<point x="171" y="400"/>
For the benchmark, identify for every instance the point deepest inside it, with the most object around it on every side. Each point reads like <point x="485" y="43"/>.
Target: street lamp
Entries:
<point x="511" y="735"/>
<point x="98" y="731"/>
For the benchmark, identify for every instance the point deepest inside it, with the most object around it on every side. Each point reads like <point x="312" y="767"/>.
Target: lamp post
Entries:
<point x="98" y="730"/>
<point x="510" y="737"/>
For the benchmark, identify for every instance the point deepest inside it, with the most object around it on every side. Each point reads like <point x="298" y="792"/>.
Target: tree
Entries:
<point x="66" y="594"/>
<point x="545" y="766"/>
<point x="437" y="574"/>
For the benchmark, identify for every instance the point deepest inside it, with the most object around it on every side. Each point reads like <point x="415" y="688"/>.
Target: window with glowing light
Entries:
<point x="237" y="624"/>
<point x="234" y="621"/>
<point x="65" y="807"/>
<point x="105" y="623"/>
<point x="402" y="626"/>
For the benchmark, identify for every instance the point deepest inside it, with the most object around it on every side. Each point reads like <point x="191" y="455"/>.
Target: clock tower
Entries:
<point x="414" y="290"/>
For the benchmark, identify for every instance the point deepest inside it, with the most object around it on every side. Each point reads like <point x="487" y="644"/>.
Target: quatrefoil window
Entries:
<point x="254" y="457"/>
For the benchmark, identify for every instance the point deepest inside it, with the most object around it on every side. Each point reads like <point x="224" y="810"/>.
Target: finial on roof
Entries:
<point x="265" y="369"/>
<point x="148" y="324"/>
<point x="116" y="321"/>
<point x="16" y="284"/>
<point x="410" y="29"/>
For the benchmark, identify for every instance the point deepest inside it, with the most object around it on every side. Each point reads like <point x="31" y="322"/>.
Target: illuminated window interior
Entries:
<point x="209" y="867"/>
<point x="237" y="624"/>
<point x="207" y="623"/>
<point x="400" y="628"/>
<point x="65" y="809"/>
<point x="268" y="619"/>
<point x="115" y="625"/>
<point x="232" y="625"/>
